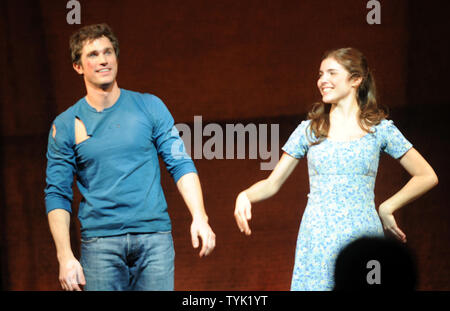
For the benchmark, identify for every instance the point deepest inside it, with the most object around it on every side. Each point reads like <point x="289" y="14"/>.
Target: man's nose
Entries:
<point x="103" y="59"/>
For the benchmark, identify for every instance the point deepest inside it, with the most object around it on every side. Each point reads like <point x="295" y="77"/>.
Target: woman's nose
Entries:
<point x="321" y="80"/>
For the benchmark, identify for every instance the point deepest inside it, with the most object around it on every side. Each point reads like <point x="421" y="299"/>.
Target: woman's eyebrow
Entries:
<point x="329" y="70"/>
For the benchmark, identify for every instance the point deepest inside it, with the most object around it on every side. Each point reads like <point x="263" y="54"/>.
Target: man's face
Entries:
<point x="98" y="63"/>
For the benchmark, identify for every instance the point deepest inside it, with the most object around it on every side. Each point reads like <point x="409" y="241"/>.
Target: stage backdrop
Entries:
<point x="249" y="62"/>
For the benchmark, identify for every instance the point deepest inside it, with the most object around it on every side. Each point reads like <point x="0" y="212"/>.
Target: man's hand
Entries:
<point x="71" y="275"/>
<point x="191" y="191"/>
<point x="201" y="228"/>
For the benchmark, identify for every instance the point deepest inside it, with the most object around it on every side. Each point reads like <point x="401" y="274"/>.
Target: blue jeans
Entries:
<point x="129" y="262"/>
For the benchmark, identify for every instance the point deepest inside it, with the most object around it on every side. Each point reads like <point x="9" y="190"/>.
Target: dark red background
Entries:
<point x="230" y="62"/>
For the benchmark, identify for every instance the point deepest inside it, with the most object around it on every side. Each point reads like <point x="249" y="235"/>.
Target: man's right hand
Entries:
<point x="71" y="274"/>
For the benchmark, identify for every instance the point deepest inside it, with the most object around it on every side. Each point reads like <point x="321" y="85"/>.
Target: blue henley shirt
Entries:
<point x="117" y="167"/>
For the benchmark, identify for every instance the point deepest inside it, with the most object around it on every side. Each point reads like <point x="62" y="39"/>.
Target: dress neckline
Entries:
<point x="348" y="141"/>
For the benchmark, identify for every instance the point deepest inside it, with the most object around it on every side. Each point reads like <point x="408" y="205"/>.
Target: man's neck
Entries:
<point x="102" y="98"/>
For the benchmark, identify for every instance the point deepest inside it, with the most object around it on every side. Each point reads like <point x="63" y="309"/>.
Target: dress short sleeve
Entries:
<point x="392" y="140"/>
<point x="299" y="141"/>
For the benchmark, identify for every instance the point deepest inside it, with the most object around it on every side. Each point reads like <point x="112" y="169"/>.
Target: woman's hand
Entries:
<point x="262" y="190"/>
<point x="389" y="224"/>
<point x="243" y="213"/>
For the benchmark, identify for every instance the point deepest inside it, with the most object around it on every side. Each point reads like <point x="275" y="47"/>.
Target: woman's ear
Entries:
<point x="356" y="82"/>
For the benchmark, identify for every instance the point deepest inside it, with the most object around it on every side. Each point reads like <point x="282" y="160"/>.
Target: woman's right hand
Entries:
<point x="243" y="213"/>
<point x="262" y="190"/>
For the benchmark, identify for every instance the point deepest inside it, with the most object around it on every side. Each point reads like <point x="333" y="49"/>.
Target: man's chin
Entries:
<point x="106" y="85"/>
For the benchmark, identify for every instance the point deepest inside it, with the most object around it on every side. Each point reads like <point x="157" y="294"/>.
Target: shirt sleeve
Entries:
<point x="392" y="140"/>
<point x="299" y="142"/>
<point x="167" y="140"/>
<point x="60" y="170"/>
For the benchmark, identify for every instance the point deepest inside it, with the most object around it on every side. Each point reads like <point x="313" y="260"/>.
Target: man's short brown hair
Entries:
<point x="90" y="33"/>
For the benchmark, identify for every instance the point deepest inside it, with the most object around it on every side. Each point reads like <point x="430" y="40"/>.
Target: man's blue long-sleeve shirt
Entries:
<point x="117" y="167"/>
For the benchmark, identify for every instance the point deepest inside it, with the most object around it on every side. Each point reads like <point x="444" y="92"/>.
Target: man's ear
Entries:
<point x="78" y="68"/>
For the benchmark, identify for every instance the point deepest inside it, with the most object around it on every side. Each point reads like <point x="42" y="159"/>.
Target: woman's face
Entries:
<point x="334" y="82"/>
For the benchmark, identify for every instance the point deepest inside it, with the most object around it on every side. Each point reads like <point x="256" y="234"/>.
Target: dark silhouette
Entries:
<point x="371" y="263"/>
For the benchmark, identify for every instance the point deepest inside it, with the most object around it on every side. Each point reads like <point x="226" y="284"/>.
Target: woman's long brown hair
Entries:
<point x="370" y="112"/>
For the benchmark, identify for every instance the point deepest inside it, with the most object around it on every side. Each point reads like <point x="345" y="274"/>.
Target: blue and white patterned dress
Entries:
<point x="340" y="204"/>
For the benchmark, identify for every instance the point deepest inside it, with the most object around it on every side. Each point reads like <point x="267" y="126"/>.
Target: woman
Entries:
<point x="342" y="140"/>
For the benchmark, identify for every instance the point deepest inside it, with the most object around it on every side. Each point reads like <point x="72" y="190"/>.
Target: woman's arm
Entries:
<point x="262" y="190"/>
<point x="423" y="179"/>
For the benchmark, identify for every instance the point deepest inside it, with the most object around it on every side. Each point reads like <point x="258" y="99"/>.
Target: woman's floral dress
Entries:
<point x="340" y="204"/>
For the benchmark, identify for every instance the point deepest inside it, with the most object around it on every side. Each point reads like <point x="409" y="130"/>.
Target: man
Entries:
<point x="110" y="140"/>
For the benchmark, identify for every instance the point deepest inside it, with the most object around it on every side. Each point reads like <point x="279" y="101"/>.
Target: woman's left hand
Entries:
<point x="389" y="224"/>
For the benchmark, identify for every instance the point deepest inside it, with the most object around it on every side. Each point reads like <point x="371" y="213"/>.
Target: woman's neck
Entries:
<point x="345" y="110"/>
